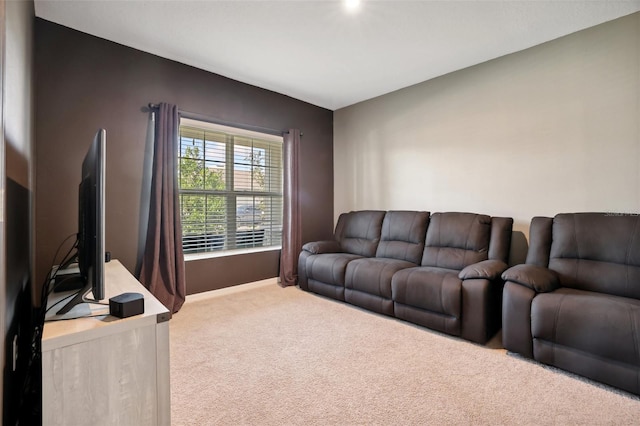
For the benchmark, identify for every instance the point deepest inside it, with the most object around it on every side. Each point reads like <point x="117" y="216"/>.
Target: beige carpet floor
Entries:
<point x="264" y="355"/>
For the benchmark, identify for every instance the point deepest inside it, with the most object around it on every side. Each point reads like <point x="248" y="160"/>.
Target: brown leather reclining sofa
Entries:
<point x="575" y="303"/>
<point x="441" y="271"/>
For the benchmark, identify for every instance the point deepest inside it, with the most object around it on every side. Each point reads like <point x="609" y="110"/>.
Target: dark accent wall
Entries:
<point x="85" y="83"/>
<point x="21" y="370"/>
<point x="19" y="325"/>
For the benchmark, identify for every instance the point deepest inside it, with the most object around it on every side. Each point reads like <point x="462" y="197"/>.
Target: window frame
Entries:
<point x="273" y="164"/>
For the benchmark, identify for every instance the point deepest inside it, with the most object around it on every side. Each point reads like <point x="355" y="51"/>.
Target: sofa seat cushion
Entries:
<point x="373" y="275"/>
<point x="329" y="268"/>
<point x="583" y="323"/>
<point x="429" y="288"/>
<point x="368" y="283"/>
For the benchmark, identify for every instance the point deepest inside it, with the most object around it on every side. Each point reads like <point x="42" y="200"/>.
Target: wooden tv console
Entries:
<point x="103" y="370"/>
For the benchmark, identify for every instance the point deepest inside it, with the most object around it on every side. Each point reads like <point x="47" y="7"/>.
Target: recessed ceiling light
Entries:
<point x="352" y="5"/>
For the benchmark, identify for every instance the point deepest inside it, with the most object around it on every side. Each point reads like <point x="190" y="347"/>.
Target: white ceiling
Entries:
<point x="319" y="52"/>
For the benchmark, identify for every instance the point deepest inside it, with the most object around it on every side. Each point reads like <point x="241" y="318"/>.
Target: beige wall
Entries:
<point x="550" y="129"/>
<point x="18" y="91"/>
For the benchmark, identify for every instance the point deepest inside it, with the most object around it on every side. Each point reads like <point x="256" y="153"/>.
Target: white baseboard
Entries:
<point x="230" y="290"/>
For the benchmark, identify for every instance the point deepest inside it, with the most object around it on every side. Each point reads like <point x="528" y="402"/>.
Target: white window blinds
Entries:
<point x="230" y="187"/>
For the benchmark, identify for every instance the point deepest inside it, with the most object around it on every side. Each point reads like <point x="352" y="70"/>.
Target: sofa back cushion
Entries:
<point x="597" y="252"/>
<point x="358" y="232"/>
<point x="500" y="240"/>
<point x="455" y="240"/>
<point x="540" y="238"/>
<point x="403" y="235"/>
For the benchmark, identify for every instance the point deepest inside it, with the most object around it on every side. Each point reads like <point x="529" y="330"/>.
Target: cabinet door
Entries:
<point x="111" y="380"/>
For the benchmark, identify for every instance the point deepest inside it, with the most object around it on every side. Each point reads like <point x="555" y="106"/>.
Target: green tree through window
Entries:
<point x="230" y="189"/>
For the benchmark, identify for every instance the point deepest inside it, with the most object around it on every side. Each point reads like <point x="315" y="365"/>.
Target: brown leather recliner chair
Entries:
<point x="440" y="271"/>
<point x="575" y="304"/>
<point x="457" y="288"/>
<point x="322" y="264"/>
<point x="368" y="280"/>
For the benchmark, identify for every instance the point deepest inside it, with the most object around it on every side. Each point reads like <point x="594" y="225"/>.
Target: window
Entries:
<point x="230" y="188"/>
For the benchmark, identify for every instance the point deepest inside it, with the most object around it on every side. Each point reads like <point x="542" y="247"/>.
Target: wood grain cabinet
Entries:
<point x="103" y="370"/>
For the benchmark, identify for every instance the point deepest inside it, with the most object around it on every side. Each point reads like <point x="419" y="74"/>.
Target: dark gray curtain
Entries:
<point x="162" y="270"/>
<point x="291" y="229"/>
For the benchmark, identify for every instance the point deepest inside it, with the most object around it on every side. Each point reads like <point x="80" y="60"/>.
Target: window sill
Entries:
<point x="226" y="253"/>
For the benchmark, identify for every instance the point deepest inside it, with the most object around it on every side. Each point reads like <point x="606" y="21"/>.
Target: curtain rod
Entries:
<point x="201" y="117"/>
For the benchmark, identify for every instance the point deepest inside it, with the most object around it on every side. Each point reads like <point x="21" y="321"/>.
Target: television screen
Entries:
<point x="91" y="235"/>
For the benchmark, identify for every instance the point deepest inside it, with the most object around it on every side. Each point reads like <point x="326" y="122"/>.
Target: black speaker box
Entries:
<point x="126" y="305"/>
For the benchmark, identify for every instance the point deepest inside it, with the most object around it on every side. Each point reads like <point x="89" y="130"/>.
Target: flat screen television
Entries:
<point x="91" y="235"/>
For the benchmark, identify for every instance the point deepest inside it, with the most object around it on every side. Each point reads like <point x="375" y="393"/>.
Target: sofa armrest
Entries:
<point x="535" y="277"/>
<point x="319" y="247"/>
<point x="487" y="269"/>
